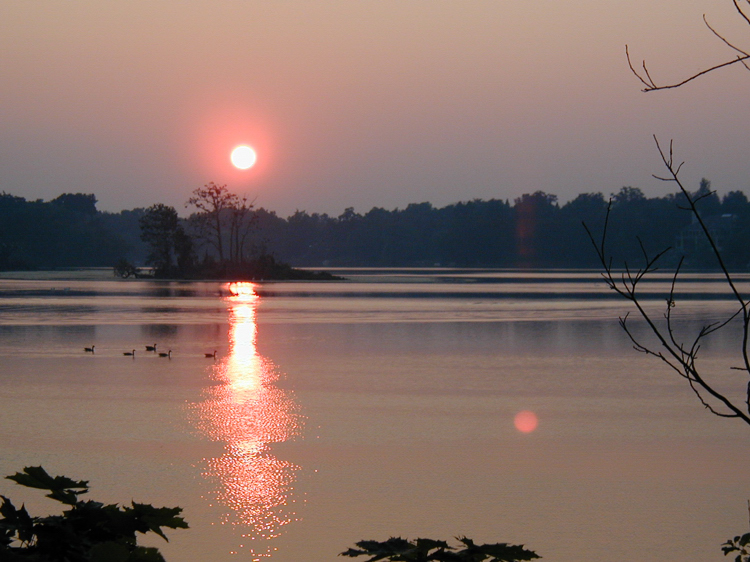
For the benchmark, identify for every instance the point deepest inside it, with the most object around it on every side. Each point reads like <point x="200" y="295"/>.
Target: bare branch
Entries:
<point x="676" y="355"/>
<point x="724" y="39"/>
<point x="651" y="86"/>
<point x="674" y="173"/>
<point x="739" y="10"/>
<point x="740" y="60"/>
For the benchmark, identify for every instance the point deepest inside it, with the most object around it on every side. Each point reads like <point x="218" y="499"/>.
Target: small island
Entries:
<point x="220" y="231"/>
<point x="262" y="268"/>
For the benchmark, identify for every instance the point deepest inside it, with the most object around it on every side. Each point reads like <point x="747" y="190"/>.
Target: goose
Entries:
<point x="130" y="353"/>
<point x="211" y="355"/>
<point x="89" y="349"/>
<point x="169" y="354"/>
<point x="151" y="347"/>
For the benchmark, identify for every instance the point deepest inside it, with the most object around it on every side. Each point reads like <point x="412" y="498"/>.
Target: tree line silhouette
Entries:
<point x="534" y="231"/>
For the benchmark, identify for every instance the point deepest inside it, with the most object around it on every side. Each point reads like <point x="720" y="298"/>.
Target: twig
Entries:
<point x="674" y="354"/>
<point x="650" y="85"/>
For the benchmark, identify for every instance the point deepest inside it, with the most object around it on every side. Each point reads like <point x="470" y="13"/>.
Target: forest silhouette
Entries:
<point x="535" y="231"/>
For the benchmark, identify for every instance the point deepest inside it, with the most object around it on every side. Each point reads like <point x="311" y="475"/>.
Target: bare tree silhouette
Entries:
<point x="741" y="56"/>
<point x="680" y="356"/>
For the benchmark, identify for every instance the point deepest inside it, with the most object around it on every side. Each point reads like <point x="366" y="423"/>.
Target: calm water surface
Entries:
<point x="375" y="407"/>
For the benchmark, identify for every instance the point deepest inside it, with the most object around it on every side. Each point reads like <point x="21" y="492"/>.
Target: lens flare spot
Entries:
<point x="526" y="421"/>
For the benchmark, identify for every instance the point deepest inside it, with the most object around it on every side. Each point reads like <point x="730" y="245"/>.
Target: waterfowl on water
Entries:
<point x="151" y="347"/>
<point x="169" y="354"/>
<point x="211" y="355"/>
<point x="89" y="349"/>
<point x="130" y="353"/>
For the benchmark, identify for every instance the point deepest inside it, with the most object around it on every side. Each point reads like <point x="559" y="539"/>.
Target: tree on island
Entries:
<point x="221" y="227"/>
<point x="172" y="251"/>
<point x="224" y="221"/>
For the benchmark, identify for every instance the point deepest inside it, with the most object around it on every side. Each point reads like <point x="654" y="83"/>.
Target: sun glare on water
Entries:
<point x="246" y="411"/>
<point x="242" y="289"/>
<point x="243" y="157"/>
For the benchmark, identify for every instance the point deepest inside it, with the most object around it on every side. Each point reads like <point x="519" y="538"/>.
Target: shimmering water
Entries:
<point x="380" y="406"/>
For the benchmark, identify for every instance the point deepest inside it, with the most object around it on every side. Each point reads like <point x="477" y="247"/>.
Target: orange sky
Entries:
<point x="362" y="104"/>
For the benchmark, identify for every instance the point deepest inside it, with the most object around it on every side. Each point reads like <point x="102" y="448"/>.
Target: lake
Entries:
<point x="376" y="407"/>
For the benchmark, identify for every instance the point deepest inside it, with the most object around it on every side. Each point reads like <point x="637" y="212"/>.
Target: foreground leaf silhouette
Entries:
<point x="87" y="532"/>
<point x="397" y="549"/>
<point x="741" y="544"/>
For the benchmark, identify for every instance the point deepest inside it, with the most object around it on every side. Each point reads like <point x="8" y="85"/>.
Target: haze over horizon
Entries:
<point x="367" y="104"/>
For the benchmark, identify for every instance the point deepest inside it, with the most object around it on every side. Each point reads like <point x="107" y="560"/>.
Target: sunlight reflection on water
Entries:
<point x="246" y="412"/>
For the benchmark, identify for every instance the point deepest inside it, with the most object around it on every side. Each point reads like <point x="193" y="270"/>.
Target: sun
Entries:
<point x="244" y="157"/>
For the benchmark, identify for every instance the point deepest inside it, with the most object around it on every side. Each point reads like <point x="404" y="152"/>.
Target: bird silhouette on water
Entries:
<point x="89" y="349"/>
<point x="132" y="353"/>
<point x="211" y="355"/>
<point x="168" y="354"/>
<point x="151" y="347"/>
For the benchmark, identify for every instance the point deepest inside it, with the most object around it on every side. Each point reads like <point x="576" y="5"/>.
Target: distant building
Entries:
<point x="692" y="239"/>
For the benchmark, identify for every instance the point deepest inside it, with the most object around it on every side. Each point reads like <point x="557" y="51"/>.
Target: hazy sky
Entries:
<point x="359" y="103"/>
